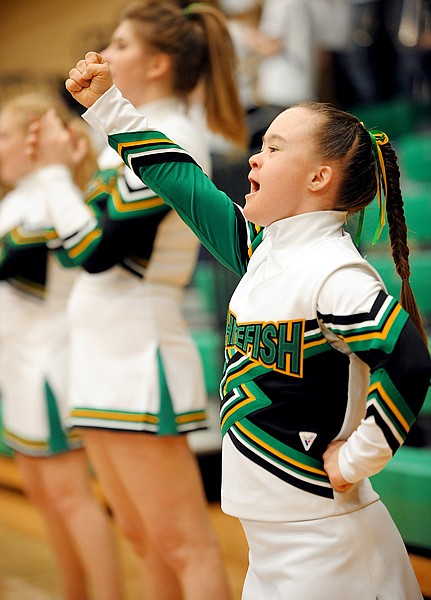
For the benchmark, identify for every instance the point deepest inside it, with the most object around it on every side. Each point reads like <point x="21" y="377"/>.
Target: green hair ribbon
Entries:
<point x="378" y="138"/>
<point x="190" y="9"/>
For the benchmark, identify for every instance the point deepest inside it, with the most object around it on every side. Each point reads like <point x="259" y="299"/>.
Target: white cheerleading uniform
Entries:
<point x="34" y="334"/>
<point x="134" y="365"/>
<point x="316" y="351"/>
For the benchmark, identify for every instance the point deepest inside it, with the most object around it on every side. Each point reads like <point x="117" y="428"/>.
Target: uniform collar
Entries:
<point x="306" y="229"/>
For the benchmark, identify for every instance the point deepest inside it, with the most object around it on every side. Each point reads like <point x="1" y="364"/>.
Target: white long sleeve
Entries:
<point x="64" y="202"/>
<point x="112" y="113"/>
<point x="365" y="453"/>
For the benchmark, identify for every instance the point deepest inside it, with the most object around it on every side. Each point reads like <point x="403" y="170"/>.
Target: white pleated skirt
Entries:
<point x="134" y="365"/>
<point x="34" y="339"/>
<point x="356" y="556"/>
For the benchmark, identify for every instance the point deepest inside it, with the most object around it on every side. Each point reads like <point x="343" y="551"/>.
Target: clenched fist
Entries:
<point x="90" y="79"/>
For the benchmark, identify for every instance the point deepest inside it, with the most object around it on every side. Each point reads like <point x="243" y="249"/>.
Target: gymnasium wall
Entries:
<point x="40" y="40"/>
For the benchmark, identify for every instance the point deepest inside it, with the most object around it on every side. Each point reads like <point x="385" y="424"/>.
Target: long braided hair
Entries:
<point x="342" y="137"/>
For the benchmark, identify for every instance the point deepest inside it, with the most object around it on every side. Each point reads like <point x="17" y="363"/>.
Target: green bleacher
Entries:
<point x="405" y="487"/>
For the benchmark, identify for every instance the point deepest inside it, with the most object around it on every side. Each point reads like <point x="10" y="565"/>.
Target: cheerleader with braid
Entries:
<point x="325" y="373"/>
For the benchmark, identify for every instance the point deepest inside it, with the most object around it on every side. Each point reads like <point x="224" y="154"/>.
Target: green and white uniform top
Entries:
<point x="34" y="333"/>
<point x="315" y="348"/>
<point x="134" y="365"/>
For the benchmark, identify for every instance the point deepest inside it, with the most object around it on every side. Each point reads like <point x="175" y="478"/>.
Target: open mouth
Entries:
<point x="254" y="185"/>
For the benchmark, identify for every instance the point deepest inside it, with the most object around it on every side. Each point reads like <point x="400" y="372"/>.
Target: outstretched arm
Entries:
<point x="163" y="165"/>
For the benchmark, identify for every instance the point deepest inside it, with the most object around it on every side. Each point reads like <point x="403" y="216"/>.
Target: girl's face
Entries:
<point x="14" y="163"/>
<point x="282" y="173"/>
<point x="130" y="60"/>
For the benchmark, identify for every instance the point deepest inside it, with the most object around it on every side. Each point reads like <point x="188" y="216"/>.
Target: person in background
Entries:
<point x="366" y="68"/>
<point x="411" y="33"/>
<point x="325" y="372"/>
<point x="137" y="385"/>
<point x="34" y="338"/>
<point x="287" y="76"/>
<point x="243" y="18"/>
<point x="331" y="26"/>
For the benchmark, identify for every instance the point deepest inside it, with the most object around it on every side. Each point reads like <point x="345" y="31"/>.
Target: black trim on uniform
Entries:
<point x="155" y="159"/>
<point x="389" y="436"/>
<point x="357" y="318"/>
<point x="317" y="490"/>
<point x="27" y="263"/>
<point x="408" y="366"/>
<point x="242" y="233"/>
<point x="123" y="238"/>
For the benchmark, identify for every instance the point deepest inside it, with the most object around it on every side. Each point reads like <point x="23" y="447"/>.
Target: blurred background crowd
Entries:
<point x="349" y="52"/>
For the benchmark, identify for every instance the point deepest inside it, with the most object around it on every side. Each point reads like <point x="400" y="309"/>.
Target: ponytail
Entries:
<point x="202" y="52"/>
<point x="224" y="110"/>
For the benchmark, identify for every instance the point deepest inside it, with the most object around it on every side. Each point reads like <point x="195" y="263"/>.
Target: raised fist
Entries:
<point x="90" y="79"/>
